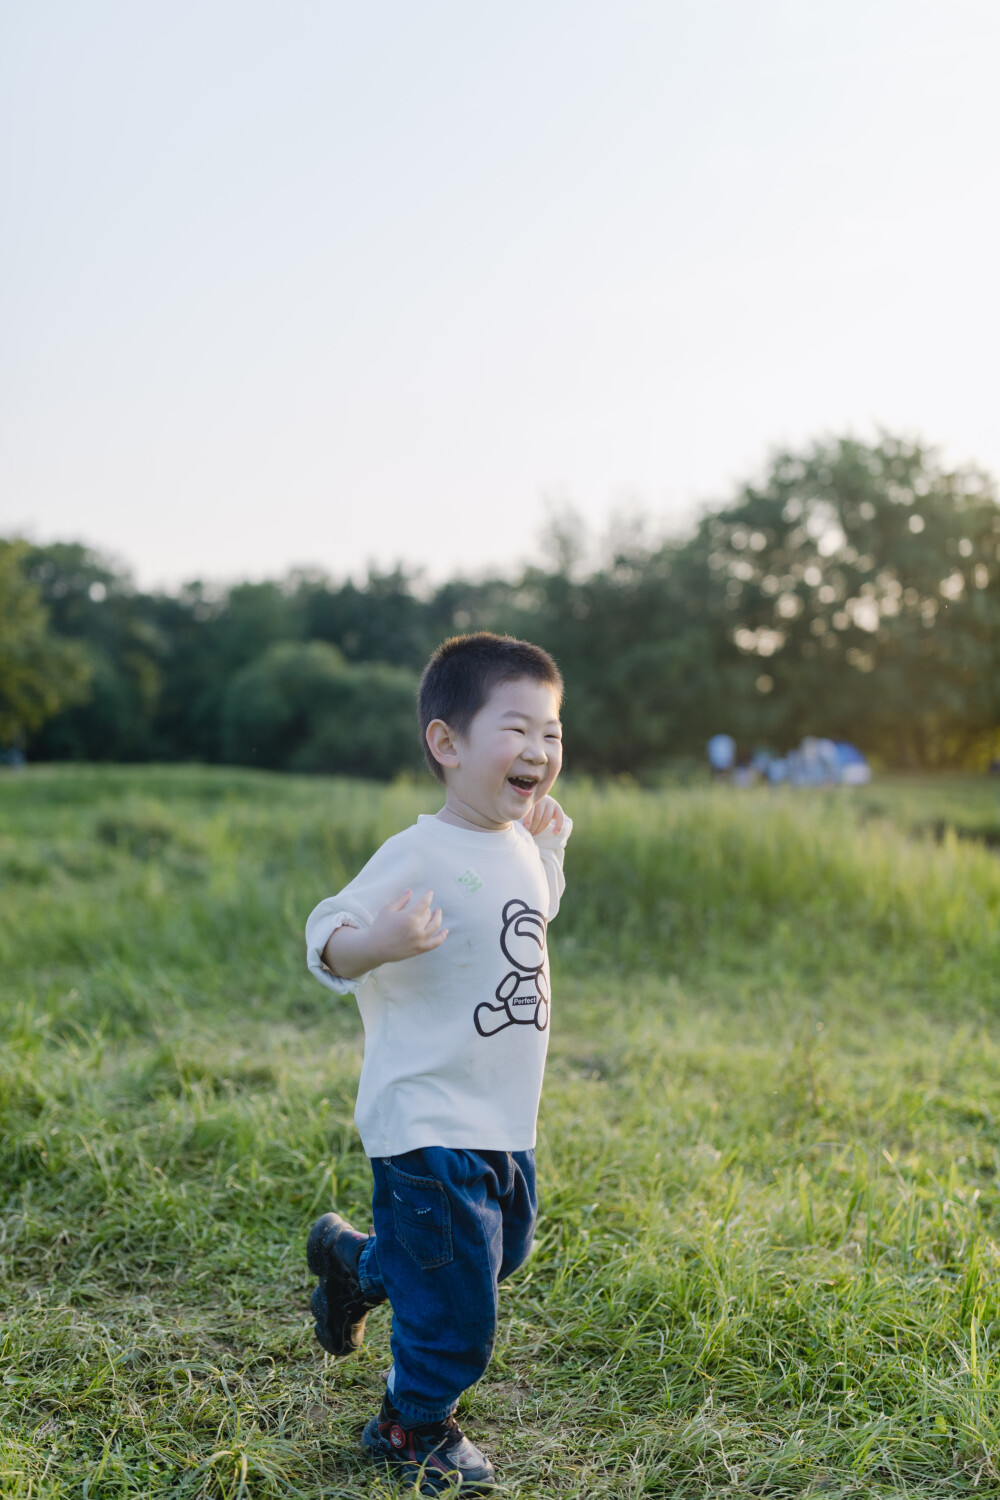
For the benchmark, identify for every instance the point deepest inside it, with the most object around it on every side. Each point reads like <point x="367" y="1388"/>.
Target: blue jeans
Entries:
<point x="449" y="1226"/>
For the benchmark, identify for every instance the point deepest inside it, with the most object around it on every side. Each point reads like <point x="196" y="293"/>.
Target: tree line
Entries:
<point x="853" y="591"/>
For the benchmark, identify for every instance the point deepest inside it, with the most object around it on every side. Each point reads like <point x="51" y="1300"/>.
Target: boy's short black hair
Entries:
<point x="462" y="674"/>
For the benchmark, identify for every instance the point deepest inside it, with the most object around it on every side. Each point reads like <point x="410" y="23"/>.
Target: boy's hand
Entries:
<point x="402" y="929"/>
<point x="542" y="814"/>
<point x="406" y="927"/>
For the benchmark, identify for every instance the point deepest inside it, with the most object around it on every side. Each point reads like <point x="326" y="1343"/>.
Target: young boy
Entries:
<point x="455" y="1003"/>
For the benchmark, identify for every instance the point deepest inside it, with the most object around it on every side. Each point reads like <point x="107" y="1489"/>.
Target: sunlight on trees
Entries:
<point x="865" y="578"/>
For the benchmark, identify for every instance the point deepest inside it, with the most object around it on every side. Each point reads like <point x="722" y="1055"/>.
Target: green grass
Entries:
<point x="767" y="1259"/>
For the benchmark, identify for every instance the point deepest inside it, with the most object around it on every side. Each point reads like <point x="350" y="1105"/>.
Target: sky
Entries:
<point x="336" y="285"/>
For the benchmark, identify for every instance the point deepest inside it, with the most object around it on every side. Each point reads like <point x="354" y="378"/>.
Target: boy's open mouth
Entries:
<point x="523" y="784"/>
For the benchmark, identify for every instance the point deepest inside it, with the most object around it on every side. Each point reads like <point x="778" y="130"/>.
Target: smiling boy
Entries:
<point x="455" y="1003"/>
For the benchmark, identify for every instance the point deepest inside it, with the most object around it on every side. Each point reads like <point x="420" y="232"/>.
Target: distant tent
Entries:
<point x="853" y="768"/>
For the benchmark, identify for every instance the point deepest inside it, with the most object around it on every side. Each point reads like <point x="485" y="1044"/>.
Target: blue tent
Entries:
<point x="854" y="768"/>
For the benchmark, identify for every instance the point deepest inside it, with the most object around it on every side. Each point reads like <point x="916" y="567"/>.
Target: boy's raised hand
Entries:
<point x="406" y="927"/>
<point x="542" y="814"/>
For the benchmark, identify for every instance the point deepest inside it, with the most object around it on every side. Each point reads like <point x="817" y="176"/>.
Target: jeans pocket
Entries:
<point x="421" y="1215"/>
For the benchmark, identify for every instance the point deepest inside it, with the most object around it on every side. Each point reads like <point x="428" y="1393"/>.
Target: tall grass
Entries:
<point x="768" y="1249"/>
<point x="672" y="879"/>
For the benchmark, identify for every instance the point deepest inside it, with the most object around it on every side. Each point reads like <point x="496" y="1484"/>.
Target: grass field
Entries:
<point x="768" y="1260"/>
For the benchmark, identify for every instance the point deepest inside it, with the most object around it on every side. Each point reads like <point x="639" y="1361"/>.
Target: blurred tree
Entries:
<point x="302" y="706"/>
<point x="858" y="587"/>
<point x="381" y="621"/>
<point x="213" y="634"/>
<point x="40" y="674"/>
<point x="96" y="603"/>
<point x="252" y="617"/>
<point x="632" y="643"/>
<point x="854" y="592"/>
<point x="187" y="721"/>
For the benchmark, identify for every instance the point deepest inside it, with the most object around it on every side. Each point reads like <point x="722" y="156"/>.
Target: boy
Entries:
<point x="455" y="1004"/>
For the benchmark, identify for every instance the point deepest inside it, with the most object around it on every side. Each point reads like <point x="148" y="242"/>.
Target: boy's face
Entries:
<point x="510" y="757"/>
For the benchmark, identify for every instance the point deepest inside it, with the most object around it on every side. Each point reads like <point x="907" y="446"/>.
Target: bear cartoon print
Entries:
<point x="522" y="995"/>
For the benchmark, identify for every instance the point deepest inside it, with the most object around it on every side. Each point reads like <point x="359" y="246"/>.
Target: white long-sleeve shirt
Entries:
<point x="455" y="1039"/>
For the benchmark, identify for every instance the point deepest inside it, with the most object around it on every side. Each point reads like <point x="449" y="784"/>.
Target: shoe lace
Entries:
<point x="438" y="1431"/>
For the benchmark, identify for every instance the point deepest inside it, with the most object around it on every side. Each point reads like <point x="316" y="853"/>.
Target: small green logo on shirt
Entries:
<point x="470" y="882"/>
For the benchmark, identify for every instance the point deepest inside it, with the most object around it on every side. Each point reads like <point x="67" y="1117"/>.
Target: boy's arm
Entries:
<point x="550" y="828"/>
<point x="330" y="916"/>
<point x="372" y="920"/>
<point x="403" y="928"/>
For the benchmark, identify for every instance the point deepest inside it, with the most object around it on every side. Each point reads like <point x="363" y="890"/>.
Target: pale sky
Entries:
<point x="317" y="283"/>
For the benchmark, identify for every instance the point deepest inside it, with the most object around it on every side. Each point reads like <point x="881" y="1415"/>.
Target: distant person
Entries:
<point x="829" y="761"/>
<point x="811" y="762"/>
<point x="761" y="761"/>
<point x="455" y="1004"/>
<point x="777" y="770"/>
<point x="744" y="772"/>
<point x="721" y="755"/>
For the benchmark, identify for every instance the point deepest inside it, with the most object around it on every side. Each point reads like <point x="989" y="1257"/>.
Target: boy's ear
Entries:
<point x="442" y="743"/>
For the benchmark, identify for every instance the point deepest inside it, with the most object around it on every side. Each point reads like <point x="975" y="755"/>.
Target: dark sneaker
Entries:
<point x="338" y="1304"/>
<point x="436" y="1456"/>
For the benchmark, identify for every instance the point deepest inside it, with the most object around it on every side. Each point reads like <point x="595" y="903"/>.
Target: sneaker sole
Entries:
<point x="348" y="1337"/>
